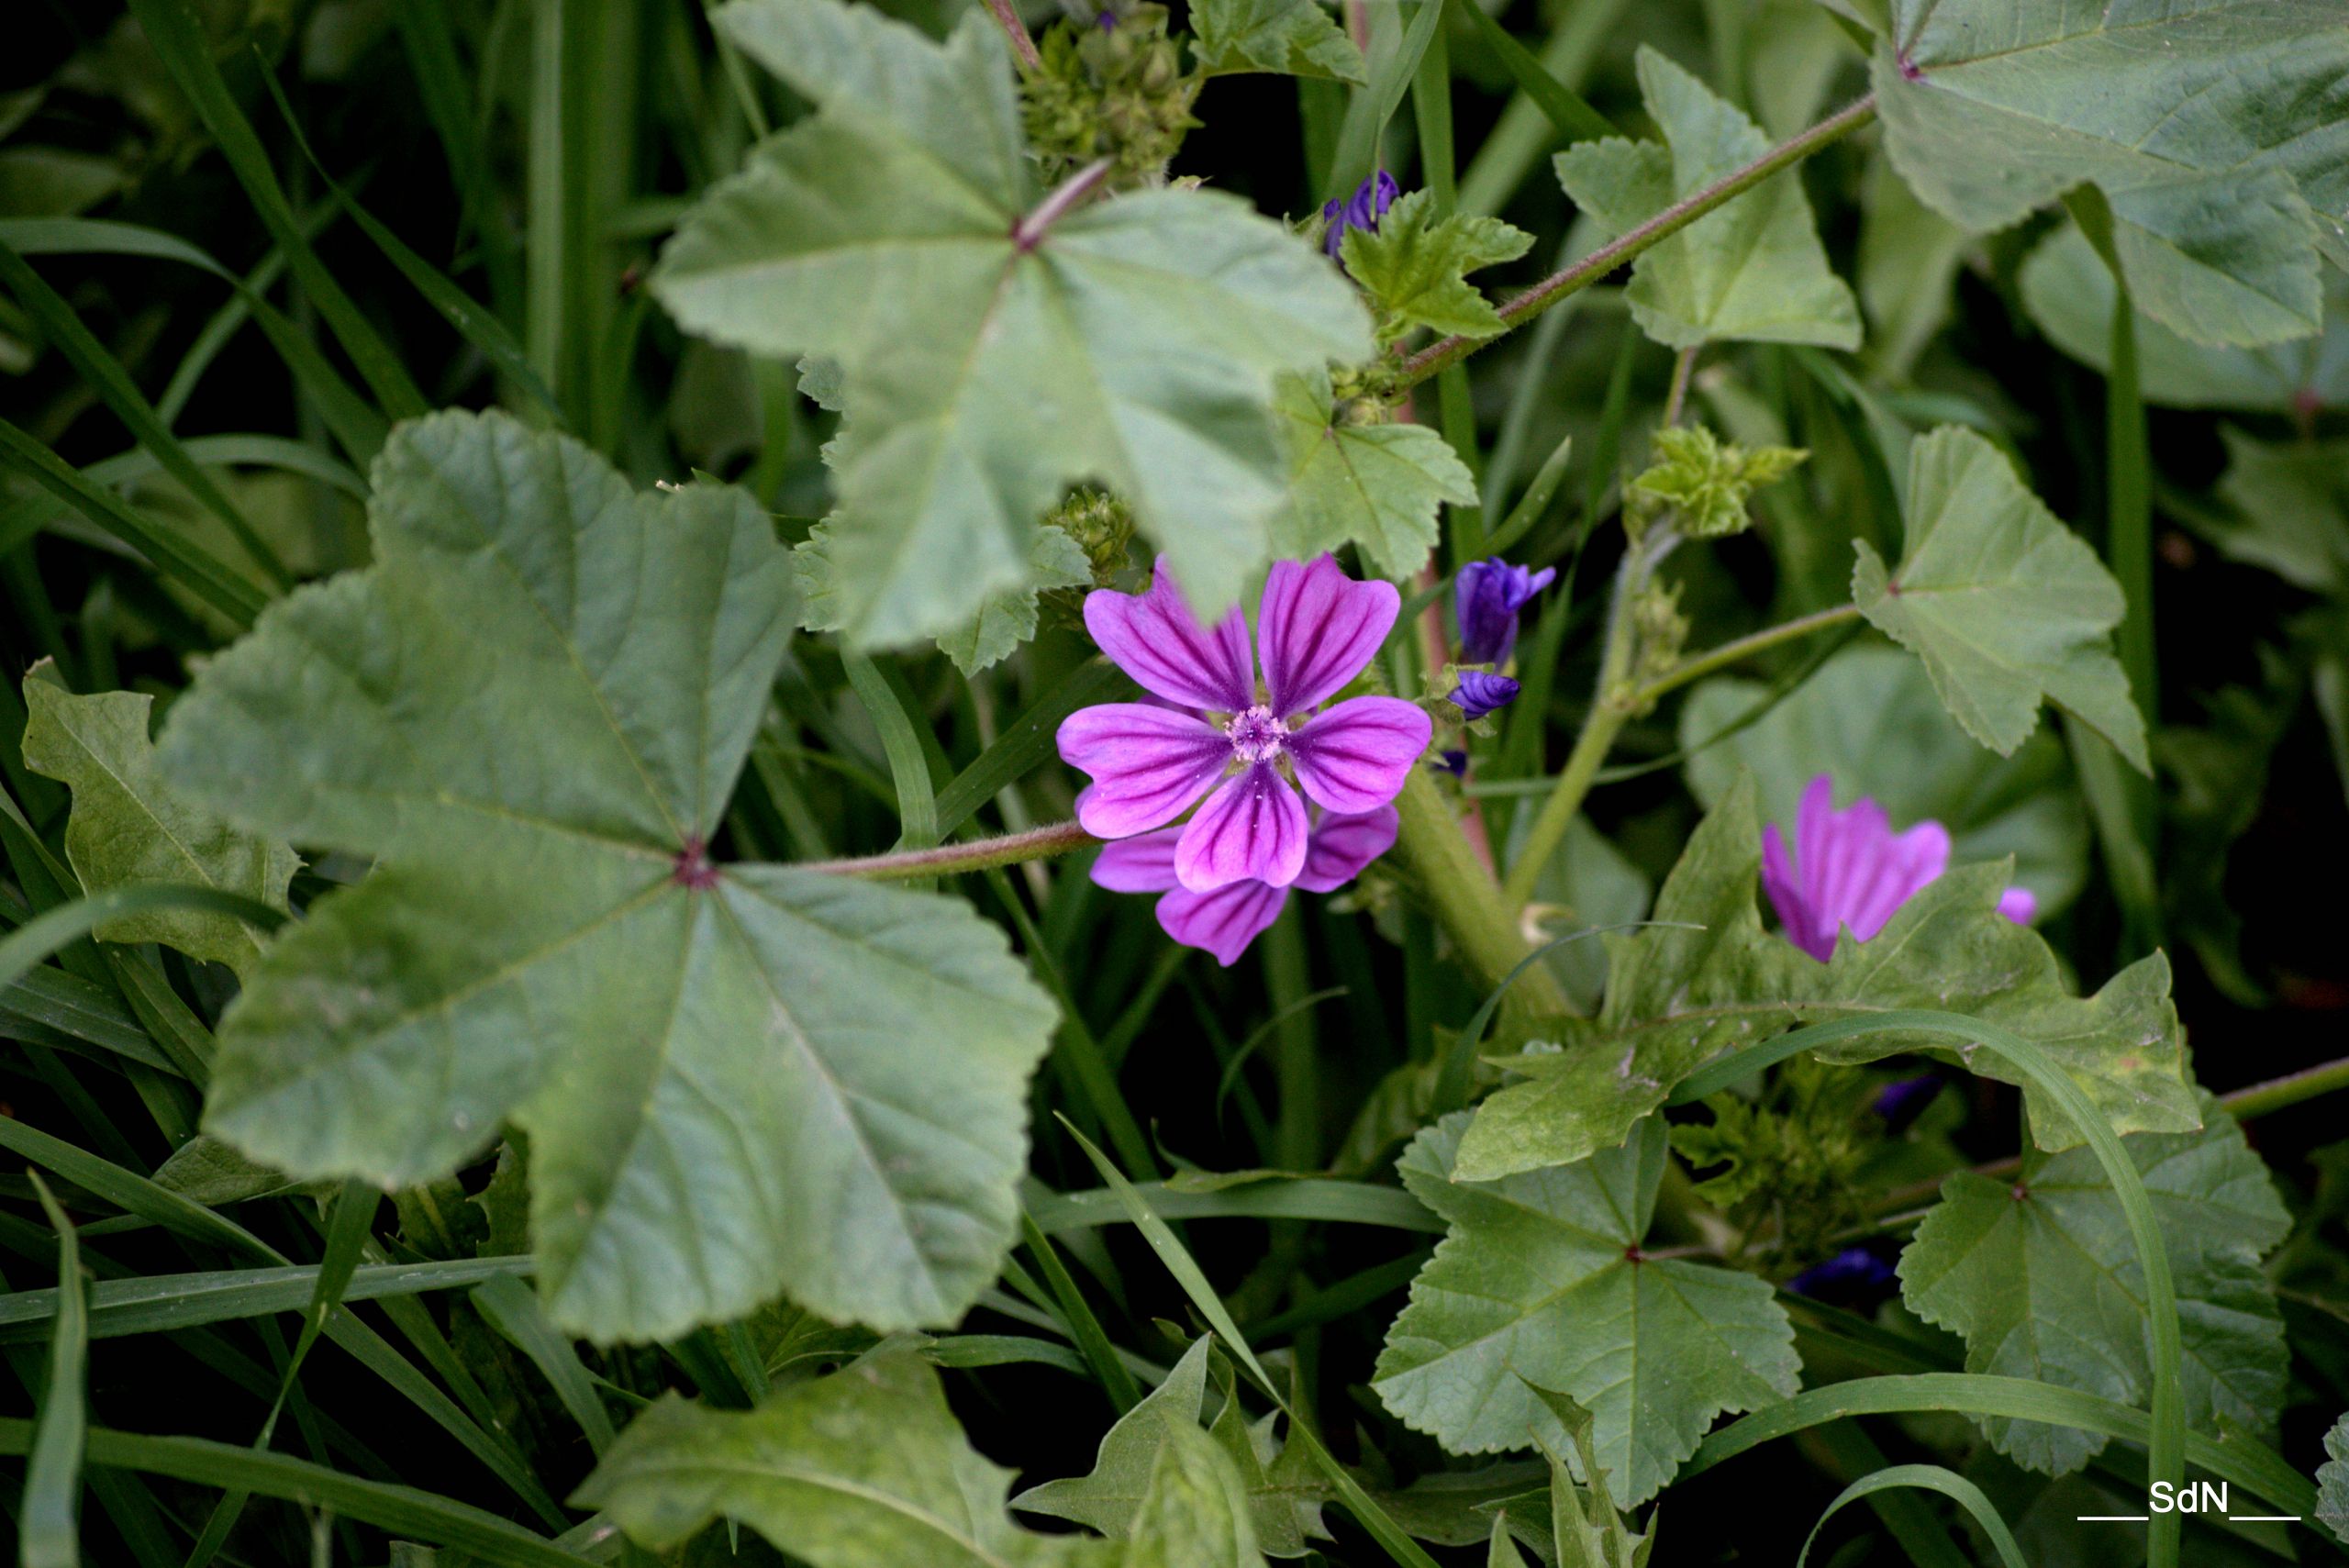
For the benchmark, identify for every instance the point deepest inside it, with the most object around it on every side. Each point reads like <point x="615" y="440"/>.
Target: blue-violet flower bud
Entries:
<point x="1902" y="1103"/>
<point x="1480" y="692"/>
<point x="1485" y="600"/>
<point x="1853" y="1277"/>
<point x="1362" y="210"/>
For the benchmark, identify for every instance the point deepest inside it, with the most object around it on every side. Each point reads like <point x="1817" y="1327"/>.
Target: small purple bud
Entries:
<point x="1481" y="692"/>
<point x="1454" y="763"/>
<point x="1107" y="21"/>
<point x="1853" y="1277"/>
<point x="1362" y="210"/>
<point x="1901" y="1103"/>
<point x="1485" y="600"/>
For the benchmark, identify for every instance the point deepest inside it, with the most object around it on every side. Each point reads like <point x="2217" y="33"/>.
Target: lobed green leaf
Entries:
<point x="1133" y="344"/>
<point x="1540" y="1281"/>
<point x="2039" y="1276"/>
<point x="534" y="709"/>
<point x="2005" y="605"/>
<point x="1754" y="271"/>
<point x="2217" y="130"/>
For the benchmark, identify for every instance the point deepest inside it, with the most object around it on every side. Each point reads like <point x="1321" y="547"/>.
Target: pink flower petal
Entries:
<point x="1154" y="638"/>
<point x="1900" y="867"/>
<point x="2020" y="905"/>
<point x="1813" y="822"/>
<point x="1779" y="881"/>
<point x="1148" y="765"/>
<point x="1836" y="863"/>
<point x="1253" y="827"/>
<point x="1223" y="922"/>
<point x="1356" y="756"/>
<point x="1316" y="628"/>
<point x="1143" y="863"/>
<point x="1848" y="870"/>
<point x="1339" y="846"/>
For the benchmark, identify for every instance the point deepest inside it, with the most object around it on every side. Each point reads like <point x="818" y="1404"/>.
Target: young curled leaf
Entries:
<point x="1414" y="266"/>
<point x="1706" y="481"/>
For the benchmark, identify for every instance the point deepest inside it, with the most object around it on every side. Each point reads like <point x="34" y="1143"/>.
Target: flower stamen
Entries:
<point x="1256" y="734"/>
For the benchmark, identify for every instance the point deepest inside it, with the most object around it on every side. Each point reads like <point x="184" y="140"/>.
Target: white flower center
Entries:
<point x="1256" y="736"/>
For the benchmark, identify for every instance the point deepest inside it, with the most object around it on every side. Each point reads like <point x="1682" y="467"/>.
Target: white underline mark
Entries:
<point x="2263" y="1519"/>
<point x="2112" y="1518"/>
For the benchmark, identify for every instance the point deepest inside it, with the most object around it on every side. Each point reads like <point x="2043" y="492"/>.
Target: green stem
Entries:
<point x="1549" y="829"/>
<point x="1699" y="665"/>
<point x="977" y="854"/>
<point x="1463" y="894"/>
<point x="1631" y="243"/>
<point x="2275" y="1094"/>
<point x="1684" y="366"/>
<point x="1611" y="708"/>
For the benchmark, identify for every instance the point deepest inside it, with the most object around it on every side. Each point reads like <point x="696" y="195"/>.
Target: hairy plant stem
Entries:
<point x="2292" y="1089"/>
<point x="1022" y="44"/>
<point x="1625" y="245"/>
<point x="1465" y="900"/>
<point x="1065" y="197"/>
<point x="975" y="854"/>
<point x="1699" y="665"/>
<point x="1684" y="366"/>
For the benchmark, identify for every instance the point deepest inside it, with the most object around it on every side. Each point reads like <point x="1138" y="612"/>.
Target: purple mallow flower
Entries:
<point x="1480" y="693"/>
<point x="1902" y="1103"/>
<point x="1853" y="1277"/>
<point x="1486" y="598"/>
<point x="1225" y="921"/>
<point x="1213" y="727"/>
<point x="1854" y="872"/>
<point x="1362" y="210"/>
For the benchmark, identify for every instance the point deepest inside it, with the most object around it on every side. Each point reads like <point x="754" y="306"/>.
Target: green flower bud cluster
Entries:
<point x="1103" y="528"/>
<point x="1102" y="525"/>
<point x="1784" y="1171"/>
<point x="1118" y="93"/>
<point x="1661" y="631"/>
<point x="1364" y="394"/>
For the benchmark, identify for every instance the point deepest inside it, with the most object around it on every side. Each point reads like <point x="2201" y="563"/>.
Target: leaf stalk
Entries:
<point x="1030" y="231"/>
<point x="1023" y="44"/>
<point x="946" y="860"/>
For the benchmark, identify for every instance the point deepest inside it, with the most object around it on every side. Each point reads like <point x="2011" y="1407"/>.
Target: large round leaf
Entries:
<point x="737" y="1080"/>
